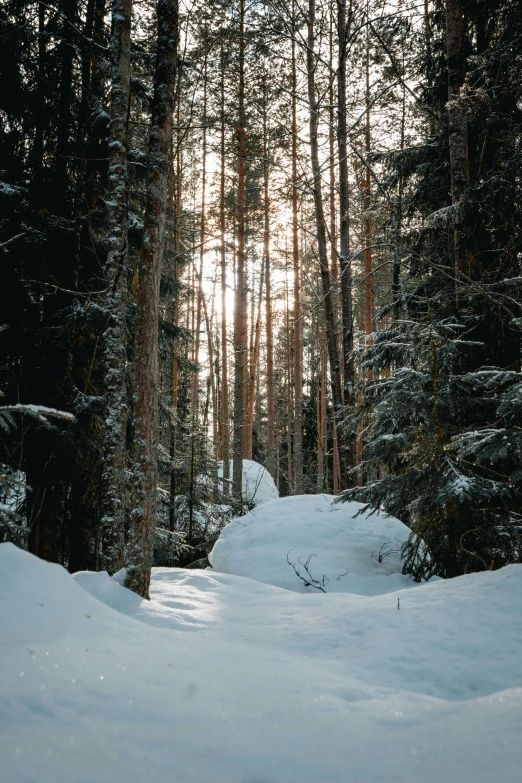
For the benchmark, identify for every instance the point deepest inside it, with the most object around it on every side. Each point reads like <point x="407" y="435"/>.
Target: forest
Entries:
<point x="261" y="319"/>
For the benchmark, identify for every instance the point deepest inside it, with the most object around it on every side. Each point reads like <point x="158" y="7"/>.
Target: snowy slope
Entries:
<point x="352" y="552"/>
<point x="258" y="484"/>
<point x="220" y="679"/>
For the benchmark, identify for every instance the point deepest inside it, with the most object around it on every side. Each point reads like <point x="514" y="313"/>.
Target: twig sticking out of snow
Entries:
<point x="309" y="580"/>
<point x="382" y="554"/>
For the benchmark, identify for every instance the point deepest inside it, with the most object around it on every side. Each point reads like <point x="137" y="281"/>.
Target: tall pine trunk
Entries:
<point x="115" y="356"/>
<point x="143" y="517"/>
<point x="298" y="350"/>
<point x="343" y="26"/>
<point x="367" y="200"/>
<point x="289" y="401"/>
<point x="225" y="422"/>
<point x="254" y="365"/>
<point x="335" y="377"/>
<point x="458" y="127"/>
<point x="240" y="299"/>
<point x="197" y="336"/>
<point x="64" y="120"/>
<point x="270" y="407"/>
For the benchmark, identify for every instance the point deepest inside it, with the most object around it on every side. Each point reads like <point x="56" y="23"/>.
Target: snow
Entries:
<point x="38" y="411"/>
<point x="346" y="546"/>
<point x="258" y="484"/>
<point x="225" y="679"/>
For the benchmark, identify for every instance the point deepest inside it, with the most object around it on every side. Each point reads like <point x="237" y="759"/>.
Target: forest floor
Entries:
<point x="222" y="678"/>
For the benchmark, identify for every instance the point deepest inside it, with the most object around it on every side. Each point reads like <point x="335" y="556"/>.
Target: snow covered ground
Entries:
<point x="351" y="551"/>
<point x="223" y="679"/>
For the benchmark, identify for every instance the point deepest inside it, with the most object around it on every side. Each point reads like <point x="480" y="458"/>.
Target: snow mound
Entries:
<point x="258" y="484"/>
<point x="344" y="550"/>
<point x="429" y="640"/>
<point x="226" y="679"/>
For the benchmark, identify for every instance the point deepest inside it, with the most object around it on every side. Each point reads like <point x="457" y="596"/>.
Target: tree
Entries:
<point x="439" y="408"/>
<point x="114" y="459"/>
<point x="240" y="298"/>
<point x="320" y="226"/>
<point x="143" y="515"/>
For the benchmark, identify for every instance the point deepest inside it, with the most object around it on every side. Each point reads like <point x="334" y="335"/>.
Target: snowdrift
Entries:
<point x="258" y="484"/>
<point x="349" y="551"/>
<point x="220" y="678"/>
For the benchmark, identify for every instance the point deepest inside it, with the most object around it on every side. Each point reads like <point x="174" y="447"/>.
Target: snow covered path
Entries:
<point x="223" y="679"/>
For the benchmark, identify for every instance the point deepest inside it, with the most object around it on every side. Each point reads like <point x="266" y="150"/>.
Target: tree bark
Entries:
<point x="289" y="406"/>
<point x="240" y="299"/>
<point x="225" y="423"/>
<point x="333" y="353"/>
<point x="143" y="517"/>
<point x="199" y="305"/>
<point x="173" y="241"/>
<point x="458" y="130"/>
<point x="343" y="27"/>
<point x="367" y="200"/>
<point x="298" y="348"/>
<point x="254" y="366"/>
<point x="115" y="351"/>
<point x="175" y="197"/>
<point x="38" y="145"/>
<point x="270" y="412"/>
<point x="457" y="115"/>
<point x="69" y="12"/>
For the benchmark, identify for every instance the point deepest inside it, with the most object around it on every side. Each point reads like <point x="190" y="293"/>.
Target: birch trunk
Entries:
<point x="143" y="517"/>
<point x="115" y="354"/>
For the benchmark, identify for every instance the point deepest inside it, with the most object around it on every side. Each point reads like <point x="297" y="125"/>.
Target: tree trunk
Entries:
<point x="250" y="371"/>
<point x="289" y="406"/>
<point x="175" y="207"/>
<point x="143" y="518"/>
<point x="115" y="355"/>
<point x="298" y="349"/>
<point x="322" y="431"/>
<point x="333" y="353"/>
<point x="254" y="366"/>
<point x="240" y="299"/>
<point x="343" y="27"/>
<point x="225" y="424"/>
<point x="367" y="200"/>
<point x="458" y="127"/>
<point x="38" y="145"/>
<point x="69" y="12"/>
<point x="213" y="388"/>
<point x="197" y="336"/>
<point x="270" y="413"/>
